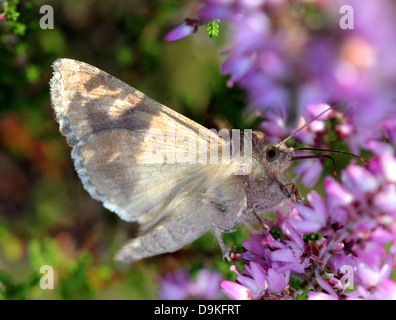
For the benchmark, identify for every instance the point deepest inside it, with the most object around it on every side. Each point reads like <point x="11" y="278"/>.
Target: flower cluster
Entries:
<point x="177" y="285"/>
<point x="315" y="135"/>
<point x="336" y="249"/>
<point x="294" y="59"/>
<point x="285" y="53"/>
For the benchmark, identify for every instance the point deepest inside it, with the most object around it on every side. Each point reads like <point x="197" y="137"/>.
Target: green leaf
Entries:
<point x="212" y="28"/>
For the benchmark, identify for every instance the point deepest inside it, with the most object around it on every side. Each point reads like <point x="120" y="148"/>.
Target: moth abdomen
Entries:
<point x="168" y="235"/>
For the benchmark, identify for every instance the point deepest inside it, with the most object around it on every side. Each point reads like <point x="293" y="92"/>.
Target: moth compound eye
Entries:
<point x="272" y="154"/>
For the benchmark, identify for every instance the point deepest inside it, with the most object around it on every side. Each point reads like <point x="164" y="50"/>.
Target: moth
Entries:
<point x="106" y="122"/>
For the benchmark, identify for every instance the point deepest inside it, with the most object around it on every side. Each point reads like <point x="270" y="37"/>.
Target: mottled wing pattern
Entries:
<point x="106" y="122"/>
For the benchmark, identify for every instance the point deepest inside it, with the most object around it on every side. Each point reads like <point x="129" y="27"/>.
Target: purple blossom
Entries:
<point x="177" y="285"/>
<point x="337" y="196"/>
<point x="188" y="27"/>
<point x="277" y="281"/>
<point x="353" y="231"/>
<point x="335" y="244"/>
<point x="310" y="172"/>
<point x="206" y="285"/>
<point x="235" y="291"/>
<point x="313" y="218"/>
<point x="174" y="286"/>
<point x="275" y="125"/>
<point x="320" y="296"/>
<point x="265" y="56"/>
<point x="271" y="50"/>
<point x="386" y="291"/>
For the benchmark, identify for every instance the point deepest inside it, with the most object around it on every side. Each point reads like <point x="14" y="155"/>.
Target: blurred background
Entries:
<point x="46" y="217"/>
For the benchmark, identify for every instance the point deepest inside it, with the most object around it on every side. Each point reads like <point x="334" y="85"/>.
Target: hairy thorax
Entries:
<point x="266" y="185"/>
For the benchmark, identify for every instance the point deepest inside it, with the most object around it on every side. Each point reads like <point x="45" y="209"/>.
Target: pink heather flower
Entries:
<point x="354" y="69"/>
<point x="235" y="291"/>
<point x="386" y="290"/>
<point x="388" y="164"/>
<point x="372" y="276"/>
<point x="379" y="148"/>
<point x="386" y="199"/>
<point x="239" y="67"/>
<point x="256" y="281"/>
<point x="206" y="285"/>
<point x="312" y="219"/>
<point x="344" y="235"/>
<point x="266" y="59"/>
<point x="359" y="181"/>
<point x="344" y="130"/>
<point x="277" y="281"/>
<point x="354" y="224"/>
<point x="314" y="109"/>
<point x="178" y="285"/>
<point x="174" y="286"/>
<point x="274" y="126"/>
<point x="389" y="125"/>
<point x="188" y="27"/>
<point x="337" y="195"/>
<point x="320" y="296"/>
<point x="328" y="288"/>
<point x="270" y="261"/>
<point x="310" y="171"/>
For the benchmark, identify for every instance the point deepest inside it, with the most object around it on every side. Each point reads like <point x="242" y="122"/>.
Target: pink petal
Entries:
<point x="189" y="26"/>
<point x="235" y="291"/>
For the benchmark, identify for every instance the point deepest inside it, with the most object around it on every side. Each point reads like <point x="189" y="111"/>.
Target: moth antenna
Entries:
<point x="316" y="156"/>
<point x="305" y="125"/>
<point x="332" y="151"/>
<point x="319" y="156"/>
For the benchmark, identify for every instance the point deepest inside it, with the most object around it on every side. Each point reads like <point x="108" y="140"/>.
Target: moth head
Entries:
<point x="270" y="158"/>
<point x="278" y="157"/>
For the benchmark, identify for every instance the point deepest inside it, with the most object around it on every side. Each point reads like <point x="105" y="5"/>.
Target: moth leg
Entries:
<point x="252" y="216"/>
<point x="294" y="194"/>
<point x="225" y="252"/>
<point x="261" y="221"/>
<point x="251" y="227"/>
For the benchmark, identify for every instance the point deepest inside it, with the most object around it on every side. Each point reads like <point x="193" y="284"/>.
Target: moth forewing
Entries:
<point x="140" y="159"/>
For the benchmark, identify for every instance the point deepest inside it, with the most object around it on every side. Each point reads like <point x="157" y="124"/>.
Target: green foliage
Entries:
<point x="76" y="285"/>
<point x="46" y="217"/>
<point x="15" y="35"/>
<point x="72" y="276"/>
<point x="11" y="16"/>
<point x="44" y="253"/>
<point x="10" y="289"/>
<point x="277" y="233"/>
<point x="312" y="237"/>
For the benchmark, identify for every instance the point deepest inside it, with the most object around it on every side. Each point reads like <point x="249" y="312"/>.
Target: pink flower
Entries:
<point x="188" y="27"/>
<point x="178" y="285"/>
<point x="386" y="290"/>
<point x="327" y="287"/>
<point x="359" y="181"/>
<point x="235" y="291"/>
<point x="310" y="171"/>
<point x="287" y="75"/>
<point x="312" y="218"/>
<point x="277" y="281"/>
<point x="320" y="296"/>
<point x="255" y="281"/>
